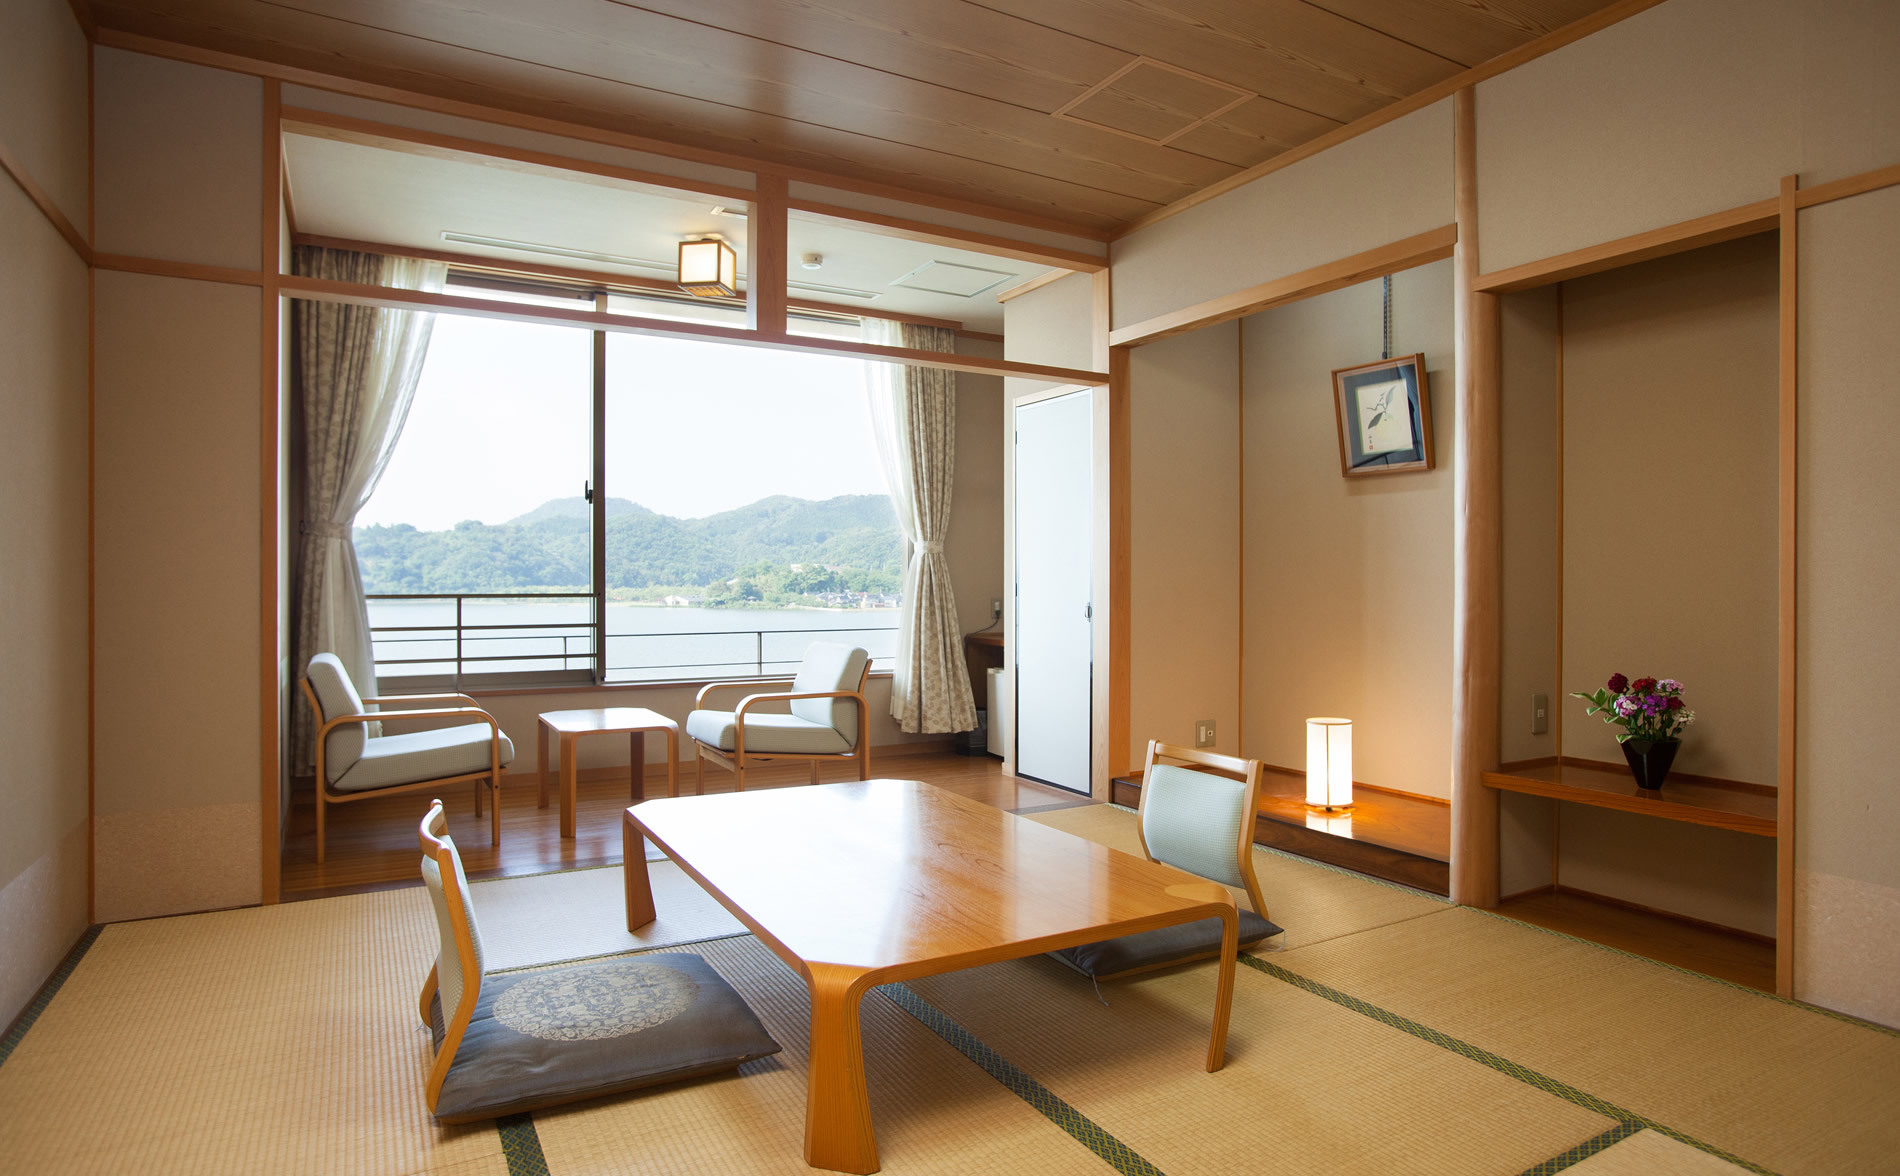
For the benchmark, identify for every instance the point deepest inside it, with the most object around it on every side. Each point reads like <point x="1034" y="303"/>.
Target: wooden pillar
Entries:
<point x="1477" y="568"/>
<point x="766" y="266"/>
<point x="1788" y="378"/>
<point x="270" y="634"/>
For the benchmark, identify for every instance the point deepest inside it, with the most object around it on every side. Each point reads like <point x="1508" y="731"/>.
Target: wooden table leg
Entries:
<point x="541" y="766"/>
<point x="639" y="741"/>
<point x="1224" y="992"/>
<point x="672" y="762"/>
<point x="633" y="848"/>
<point x="838" y="1132"/>
<point x="569" y="784"/>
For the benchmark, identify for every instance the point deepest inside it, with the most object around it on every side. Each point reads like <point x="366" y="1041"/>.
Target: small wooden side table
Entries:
<point x="632" y="721"/>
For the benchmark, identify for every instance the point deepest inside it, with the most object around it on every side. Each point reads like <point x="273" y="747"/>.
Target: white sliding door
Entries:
<point x="1055" y="520"/>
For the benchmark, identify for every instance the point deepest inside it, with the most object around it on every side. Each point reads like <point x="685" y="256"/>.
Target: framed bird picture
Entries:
<point x="1384" y="413"/>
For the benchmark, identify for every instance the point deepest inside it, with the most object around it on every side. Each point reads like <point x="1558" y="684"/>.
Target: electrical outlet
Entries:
<point x="996" y="608"/>
<point x="1204" y="733"/>
<point x="1540" y="713"/>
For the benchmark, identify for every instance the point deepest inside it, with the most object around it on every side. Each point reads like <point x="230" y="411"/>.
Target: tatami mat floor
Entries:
<point x="1390" y="1032"/>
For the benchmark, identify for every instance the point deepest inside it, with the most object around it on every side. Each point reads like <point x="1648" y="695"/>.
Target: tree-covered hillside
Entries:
<point x="844" y="544"/>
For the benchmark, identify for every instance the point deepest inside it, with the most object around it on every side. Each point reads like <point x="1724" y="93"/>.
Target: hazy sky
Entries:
<point x="502" y="422"/>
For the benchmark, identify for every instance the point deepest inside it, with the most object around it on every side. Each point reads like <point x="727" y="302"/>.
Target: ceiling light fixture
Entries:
<point x="708" y="267"/>
<point x="811" y="261"/>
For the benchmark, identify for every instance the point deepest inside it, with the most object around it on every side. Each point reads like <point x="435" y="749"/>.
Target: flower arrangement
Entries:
<point x="1647" y="708"/>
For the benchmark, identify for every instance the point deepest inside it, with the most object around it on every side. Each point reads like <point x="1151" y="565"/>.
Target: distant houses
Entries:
<point x="683" y="601"/>
<point x="859" y="599"/>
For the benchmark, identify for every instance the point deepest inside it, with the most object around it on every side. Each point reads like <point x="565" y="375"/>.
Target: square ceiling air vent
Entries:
<point x="1152" y="101"/>
<point x="948" y="277"/>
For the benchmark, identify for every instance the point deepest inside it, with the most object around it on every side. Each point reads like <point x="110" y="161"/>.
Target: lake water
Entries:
<point x="645" y="643"/>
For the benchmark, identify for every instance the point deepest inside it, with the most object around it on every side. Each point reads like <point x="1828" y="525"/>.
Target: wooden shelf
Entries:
<point x="1698" y="800"/>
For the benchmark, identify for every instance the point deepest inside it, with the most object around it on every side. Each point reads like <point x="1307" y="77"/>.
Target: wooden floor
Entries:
<point x="373" y="842"/>
<point x="1727" y="955"/>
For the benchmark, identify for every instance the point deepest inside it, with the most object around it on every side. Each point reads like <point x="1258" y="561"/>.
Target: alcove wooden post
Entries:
<point x="1477" y="567"/>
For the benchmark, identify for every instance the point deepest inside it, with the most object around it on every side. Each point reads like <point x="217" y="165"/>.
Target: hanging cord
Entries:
<point x="1386" y="338"/>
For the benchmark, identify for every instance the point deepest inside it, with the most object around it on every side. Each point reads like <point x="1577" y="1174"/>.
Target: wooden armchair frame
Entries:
<point x="1247" y="771"/>
<point x="493" y="775"/>
<point x="454" y="1021"/>
<point x="736" y="759"/>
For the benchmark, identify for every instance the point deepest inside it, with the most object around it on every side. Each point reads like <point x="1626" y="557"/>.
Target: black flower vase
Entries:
<point x="1649" y="760"/>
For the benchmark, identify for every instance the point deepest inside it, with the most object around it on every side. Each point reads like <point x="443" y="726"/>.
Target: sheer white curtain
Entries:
<point x="914" y="418"/>
<point x="359" y="367"/>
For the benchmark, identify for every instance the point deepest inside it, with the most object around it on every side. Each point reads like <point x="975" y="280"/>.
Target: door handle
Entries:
<point x="1088" y="612"/>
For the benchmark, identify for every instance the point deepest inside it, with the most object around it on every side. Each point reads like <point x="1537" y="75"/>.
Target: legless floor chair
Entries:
<point x="512" y="1042"/>
<point x="828" y="721"/>
<point x="1196" y="820"/>
<point x="352" y="765"/>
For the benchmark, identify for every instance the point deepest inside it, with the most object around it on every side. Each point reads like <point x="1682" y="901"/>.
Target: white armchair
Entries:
<point x="828" y="721"/>
<point x="354" y="765"/>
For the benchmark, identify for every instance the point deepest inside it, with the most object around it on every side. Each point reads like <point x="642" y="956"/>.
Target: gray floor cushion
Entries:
<point x="1148" y="949"/>
<point x="562" y="1034"/>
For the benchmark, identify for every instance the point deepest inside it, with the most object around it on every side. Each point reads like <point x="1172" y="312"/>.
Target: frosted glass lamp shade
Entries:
<point x="709" y="268"/>
<point x="1329" y="763"/>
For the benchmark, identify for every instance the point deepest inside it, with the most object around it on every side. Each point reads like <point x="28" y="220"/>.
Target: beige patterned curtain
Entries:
<point x="357" y="370"/>
<point x="914" y="415"/>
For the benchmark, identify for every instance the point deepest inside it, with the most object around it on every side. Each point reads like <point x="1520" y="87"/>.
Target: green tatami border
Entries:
<point x="1085" y="1130"/>
<point x="44" y="997"/>
<point x="1584" y="1150"/>
<point x="1485" y="1057"/>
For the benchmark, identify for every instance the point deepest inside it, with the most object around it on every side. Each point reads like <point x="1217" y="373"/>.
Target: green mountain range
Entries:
<point x="844" y="544"/>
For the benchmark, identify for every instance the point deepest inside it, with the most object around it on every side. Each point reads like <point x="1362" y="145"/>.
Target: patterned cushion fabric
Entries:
<point x="421" y="755"/>
<point x="765" y="733"/>
<point x="829" y="665"/>
<point x="561" y="1034"/>
<point x="337" y="695"/>
<point x="1148" y="949"/>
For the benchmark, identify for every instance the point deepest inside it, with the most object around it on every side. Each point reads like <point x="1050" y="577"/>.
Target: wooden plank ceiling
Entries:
<point x="1086" y="112"/>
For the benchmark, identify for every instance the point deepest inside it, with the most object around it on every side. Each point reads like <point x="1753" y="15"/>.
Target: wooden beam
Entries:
<point x="767" y="269"/>
<point x="916" y="230"/>
<point x="329" y="291"/>
<point x="189" y="270"/>
<point x="1477" y="567"/>
<point x="10" y="163"/>
<point x="1433" y="245"/>
<point x="1556" y="39"/>
<point x="1883" y="177"/>
<point x="1036" y="283"/>
<point x="269" y="632"/>
<point x="1727" y="225"/>
<point x="1786" y="680"/>
<point x="613" y="281"/>
<point x="316" y="80"/>
<point x="321" y="124"/>
<point x="1102" y="320"/>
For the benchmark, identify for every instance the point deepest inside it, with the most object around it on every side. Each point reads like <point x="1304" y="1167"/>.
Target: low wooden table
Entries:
<point x="863" y="883"/>
<point x="632" y="721"/>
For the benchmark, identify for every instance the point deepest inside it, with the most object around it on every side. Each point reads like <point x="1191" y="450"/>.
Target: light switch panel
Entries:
<point x="1204" y="733"/>
<point x="1540" y="713"/>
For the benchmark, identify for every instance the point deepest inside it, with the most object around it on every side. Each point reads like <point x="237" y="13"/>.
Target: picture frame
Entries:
<point x="1383" y="411"/>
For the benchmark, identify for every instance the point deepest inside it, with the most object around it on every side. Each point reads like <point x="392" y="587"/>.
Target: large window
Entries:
<point x="744" y="505"/>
